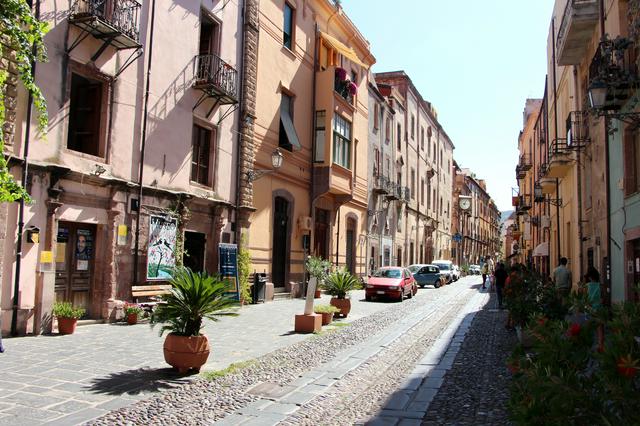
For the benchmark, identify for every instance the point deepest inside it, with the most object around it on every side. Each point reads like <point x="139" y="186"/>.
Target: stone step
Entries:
<point x="281" y="296"/>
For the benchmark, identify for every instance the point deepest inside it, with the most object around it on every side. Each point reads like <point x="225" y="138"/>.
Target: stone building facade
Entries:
<point x="84" y="173"/>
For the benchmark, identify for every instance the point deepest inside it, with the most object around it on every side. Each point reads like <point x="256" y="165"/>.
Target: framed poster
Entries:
<point x="84" y="249"/>
<point x="229" y="268"/>
<point x="161" y="249"/>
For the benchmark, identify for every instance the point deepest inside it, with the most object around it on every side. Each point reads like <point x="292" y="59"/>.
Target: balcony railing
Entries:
<point x="558" y="147"/>
<point x="381" y="184"/>
<point x="103" y="18"/>
<point x="217" y="77"/>
<point x="576" y="29"/>
<point x="392" y="194"/>
<point x="525" y="162"/>
<point x="612" y="67"/>
<point x="577" y="129"/>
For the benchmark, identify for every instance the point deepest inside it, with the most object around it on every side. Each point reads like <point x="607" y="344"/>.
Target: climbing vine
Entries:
<point x="21" y="44"/>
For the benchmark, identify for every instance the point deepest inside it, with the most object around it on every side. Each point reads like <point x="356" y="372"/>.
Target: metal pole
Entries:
<point x="555" y="127"/>
<point x="143" y="147"/>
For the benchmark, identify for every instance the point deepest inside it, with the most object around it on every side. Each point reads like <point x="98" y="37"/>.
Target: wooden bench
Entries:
<point x="151" y="291"/>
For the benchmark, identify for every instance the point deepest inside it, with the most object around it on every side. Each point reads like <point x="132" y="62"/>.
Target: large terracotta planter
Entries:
<point x="67" y="325"/>
<point x="327" y="317"/>
<point x="186" y="352"/>
<point x="132" y="319"/>
<point x="317" y="294"/>
<point x="343" y="304"/>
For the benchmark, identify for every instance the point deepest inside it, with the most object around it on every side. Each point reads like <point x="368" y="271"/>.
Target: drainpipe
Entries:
<point x="579" y="176"/>
<point x="338" y="239"/>
<point x="240" y="124"/>
<point x="555" y="127"/>
<point x="608" y="280"/>
<point x="143" y="147"/>
<point x="25" y="172"/>
<point x="313" y="129"/>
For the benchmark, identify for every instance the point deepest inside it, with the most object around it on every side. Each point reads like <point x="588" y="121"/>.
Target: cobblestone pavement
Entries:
<point x="475" y="390"/>
<point x="71" y="379"/>
<point x="294" y="385"/>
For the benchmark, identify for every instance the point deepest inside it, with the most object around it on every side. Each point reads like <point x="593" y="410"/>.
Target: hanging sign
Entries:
<point x="161" y="249"/>
<point x="229" y="268"/>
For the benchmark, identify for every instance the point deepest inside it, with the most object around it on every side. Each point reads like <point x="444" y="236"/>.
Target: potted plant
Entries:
<point x="194" y="296"/>
<point x="327" y="312"/>
<point x="339" y="284"/>
<point x="67" y="316"/>
<point x="131" y="312"/>
<point x="318" y="268"/>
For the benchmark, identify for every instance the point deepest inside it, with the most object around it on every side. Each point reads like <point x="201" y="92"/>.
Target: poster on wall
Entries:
<point x="229" y="268"/>
<point x="84" y="249"/>
<point x="161" y="249"/>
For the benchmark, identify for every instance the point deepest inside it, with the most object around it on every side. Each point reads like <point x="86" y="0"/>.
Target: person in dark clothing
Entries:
<point x="500" y="275"/>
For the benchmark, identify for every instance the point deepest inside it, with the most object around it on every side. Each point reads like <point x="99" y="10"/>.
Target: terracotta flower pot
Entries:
<point x="67" y="325"/>
<point x="327" y="317"/>
<point x="132" y="319"/>
<point x="343" y="304"/>
<point x="186" y="352"/>
<point x="317" y="294"/>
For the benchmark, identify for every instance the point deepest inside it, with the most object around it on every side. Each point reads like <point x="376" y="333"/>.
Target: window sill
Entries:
<point x="81" y="154"/>
<point x="201" y="186"/>
<point x="290" y="53"/>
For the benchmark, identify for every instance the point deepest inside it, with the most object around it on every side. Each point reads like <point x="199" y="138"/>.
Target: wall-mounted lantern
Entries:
<point x="33" y="235"/>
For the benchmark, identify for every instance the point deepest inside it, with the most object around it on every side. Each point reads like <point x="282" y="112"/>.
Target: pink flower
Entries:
<point x="341" y="73"/>
<point x="574" y="330"/>
<point x="353" y="88"/>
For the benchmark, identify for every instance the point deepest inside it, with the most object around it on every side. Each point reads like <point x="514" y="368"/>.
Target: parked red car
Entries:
<point x="391" y="281"/>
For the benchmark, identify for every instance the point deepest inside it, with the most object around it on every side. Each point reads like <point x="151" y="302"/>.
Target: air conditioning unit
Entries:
<point x="305" y="223"/>
<point x="545" y="221"/>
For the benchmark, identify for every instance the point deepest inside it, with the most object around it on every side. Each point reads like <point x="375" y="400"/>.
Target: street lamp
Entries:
<point x="276" y="162"/>
<point x="597" y="95"/>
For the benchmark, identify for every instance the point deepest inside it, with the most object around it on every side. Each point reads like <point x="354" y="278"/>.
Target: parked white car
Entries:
<point x="455" y="272"/>
<point x="445" y="268"/>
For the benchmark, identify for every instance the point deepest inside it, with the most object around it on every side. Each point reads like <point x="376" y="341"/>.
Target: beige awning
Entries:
<point x="342" y="48"/>
<point x="541" y="250"/>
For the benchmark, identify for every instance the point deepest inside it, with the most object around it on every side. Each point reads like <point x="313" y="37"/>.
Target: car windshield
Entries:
<point x="388" y="273"/>
<point x="429" y="270"/>
<point x="413" y="268"/>
<point x="442" y="266"/>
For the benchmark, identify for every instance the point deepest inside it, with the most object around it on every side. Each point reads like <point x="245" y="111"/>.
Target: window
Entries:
<point x="320" y="132"/>
<point x="209" y="36"/>
<point x="86" y="115"/>
<point x="387" y="130"/>
<point x="422" y="138"/>
<point x="376" y="117"/>
<point x="287" y="138"/>
<point x="422" y="192"/>
<point x="341" y="142"/>
<point x="399" y="138"/>
<point x="632" y="161"/>
<point x="413" y="126"/>
<point x="287" y="29"/>
<point x="201" y="155"/>
<point x="413" y="184"/>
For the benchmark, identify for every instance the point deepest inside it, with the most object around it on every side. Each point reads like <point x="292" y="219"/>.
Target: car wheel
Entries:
<point x="436" y="284"/>
<point x="367" y="298"/>
<point x="401" y="295"/>
<point x="410" y="295"/>
<point x="422" y="285"/>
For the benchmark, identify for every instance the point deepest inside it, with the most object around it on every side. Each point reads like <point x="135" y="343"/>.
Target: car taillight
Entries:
<point x="393" y="287"/>
<point x="369" y="286"/>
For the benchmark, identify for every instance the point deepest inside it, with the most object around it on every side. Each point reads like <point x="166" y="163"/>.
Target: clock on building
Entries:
<point x="465" y="203"/>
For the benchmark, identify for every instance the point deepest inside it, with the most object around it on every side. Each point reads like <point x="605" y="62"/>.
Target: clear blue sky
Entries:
<point x="475" y="61"/>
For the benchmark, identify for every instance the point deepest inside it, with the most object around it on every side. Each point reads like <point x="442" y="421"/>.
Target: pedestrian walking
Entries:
<point x="562" y="279"/>
<point x="485" y="272"/>
<point x="500" y="275"/>
<point x="592" y="278"/>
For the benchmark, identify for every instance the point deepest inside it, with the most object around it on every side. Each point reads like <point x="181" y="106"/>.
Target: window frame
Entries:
<point x="292" y="23"/>
<point x="342" y="143"/>
<point x="211" y="158"/>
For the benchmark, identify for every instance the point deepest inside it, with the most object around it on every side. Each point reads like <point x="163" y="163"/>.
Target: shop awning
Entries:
<point x="541" y="250"/>
<point x="342" y="48"/>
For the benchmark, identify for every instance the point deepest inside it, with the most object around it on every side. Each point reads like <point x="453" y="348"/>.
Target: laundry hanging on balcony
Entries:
<point x="541" y="250"/>
<point x="342" y="48"/>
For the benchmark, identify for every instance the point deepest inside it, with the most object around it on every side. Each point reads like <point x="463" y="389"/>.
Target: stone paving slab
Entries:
<point x="73" y="379"/>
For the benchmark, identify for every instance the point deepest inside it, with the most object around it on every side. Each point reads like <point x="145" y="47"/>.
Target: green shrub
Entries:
<point x="132" y="308"/>
<point x="244" y="270"/>
<point x="194" y="297"/>
<point x="325" y="309"/>
<point x="66" y="310"/>
<point x="340" y="283"/>
<point x="318" y="268"/>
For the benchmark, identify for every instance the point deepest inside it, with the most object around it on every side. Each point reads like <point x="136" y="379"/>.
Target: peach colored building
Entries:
<point x="84" y="174"/>
<point x="311" y="108"/>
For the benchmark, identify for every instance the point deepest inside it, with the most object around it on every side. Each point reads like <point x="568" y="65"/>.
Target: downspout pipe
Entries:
<point x="579" y="177"/>
<point x="240" y="124"/>
<point x="608" y="280"/>
<point x="144" y="145"/>
<point x="312" y="199"/>
<point x="555" y="127"/>
<point x="23" y="182"/>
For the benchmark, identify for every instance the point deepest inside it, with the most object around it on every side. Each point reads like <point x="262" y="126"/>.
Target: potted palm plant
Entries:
<point x="339" y="284"/>
<point x="195" y="296"/>
<point x="67" y="316"/>
<point x="318" y="268"/>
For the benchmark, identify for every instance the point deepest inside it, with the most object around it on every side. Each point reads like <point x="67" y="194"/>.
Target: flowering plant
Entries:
<point x="341" y="74"/>
<point x="132" y="308"/>
<point x="353" y="88"/>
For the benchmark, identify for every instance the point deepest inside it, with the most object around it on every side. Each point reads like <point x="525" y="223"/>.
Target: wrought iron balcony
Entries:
<point x="613" y="71"/>
<point x="577" y="129"/>
<point x="393" y="193"/>
<point x="525" y="162"/>
<point x="381" y="184"/>
<point x="546" y="182"/>
<point x="520" y="173"/>
<point x="117" y="22"/>
<point x="579" y="20"/>
<point x="560" y="158"/>
<point x="217" y="78"/>
<point x="343" y="86"/>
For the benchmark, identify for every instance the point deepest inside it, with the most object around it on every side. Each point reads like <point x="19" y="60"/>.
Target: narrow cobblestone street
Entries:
<point x="439" y="356"/>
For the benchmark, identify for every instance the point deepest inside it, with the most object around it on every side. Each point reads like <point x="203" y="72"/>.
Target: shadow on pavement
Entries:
<point x="137" y="381"/>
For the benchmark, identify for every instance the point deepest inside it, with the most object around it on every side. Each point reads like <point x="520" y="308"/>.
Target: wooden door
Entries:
<point x="75" y="263"/>
<point x="280" y="238"/>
